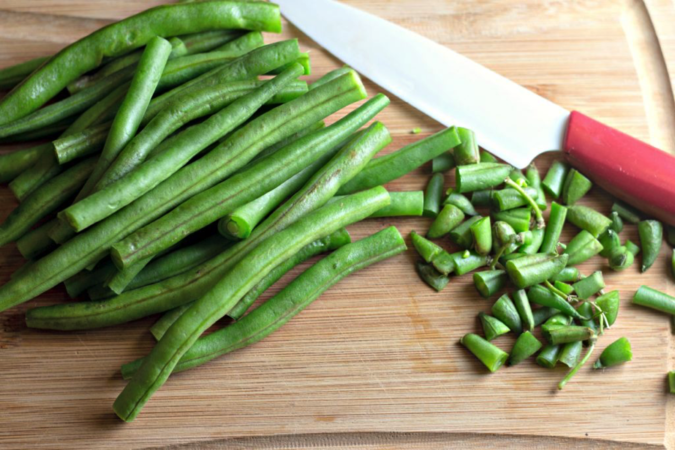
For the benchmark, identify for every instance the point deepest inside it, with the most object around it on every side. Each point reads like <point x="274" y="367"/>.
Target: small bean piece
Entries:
<point x="567" y="275"/>
<point x="620" y="258"/>
<point x="535" y="245"/>
<point x="467" y="151"/>
<point x="535" y="269"/>
<point x="486" y="157"/>
<point x="534" y="180"/>
<point x="449" y="218"/>
<point x="631" y="247"/>
<point x="524" y="309"/>
<point x="575" y="187"/>
<point x="556" y="222"/>
<point x="571" y="353"/>
<point x="588" y="219"/>
<point x="526" y="345"/>
<point x="492" y="327"/>
<point x="627" y="212"/>
<point x="506" y="311"/>
<point x="482" y="236"/>
<point x="403" y="204"/>
<point x="548" y="356"/>
<point x="651" y="238"/>
<point x="461" y="234"/>
<point x="587" y="310"/>
<point x="433" y="195"/>
<point x="431" y="276"/>
<point x="489" y="354"/>
<point x="490" y="282"/>
<point x="466" y="262"/>
<point x="651" y="298"/>
<point x="426" y="249"/>
<point x="609" y="303"/>
<point x="443" y="163"/>
<point x="542" y="296"/>
<point x="618" y="352"/>
<point x="555" y="179"/>
<point x="519" y="218"/>
<point x="506" y="199"/>
<point x="36" y="242"/>
<point x="581" y="248"/>
<point x="561" y="334"/>
<point x="482" y="198"/>
<point x="617" y="222"/>
<point x="461" y="202"/>
<point x="476" y="177"/>
<point x="609" y="240"/>
<point x="589" y="286"/>
<point x="541" y="315"/>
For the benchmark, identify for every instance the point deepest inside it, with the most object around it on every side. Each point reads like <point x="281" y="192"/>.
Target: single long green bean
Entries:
<point x="396" y="164"/>
<point x="279" y="123"/>
<point x="192" y="284"/>
<point x="299" y="294"/>
<point x="556" y="222"/>
<point x="146" y="176"/>
<point x="133" y="32"/>
<point x="182" y="335"/>
<point x="45" y="200"/>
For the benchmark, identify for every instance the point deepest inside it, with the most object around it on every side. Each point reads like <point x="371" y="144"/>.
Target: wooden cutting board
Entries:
<point x="375" y="362"/>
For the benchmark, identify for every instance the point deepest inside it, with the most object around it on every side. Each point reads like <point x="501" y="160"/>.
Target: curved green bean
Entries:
<point x="396" y="164"/>
<point x="118" y="38"/>
<point x="193" y="284"/>
<point x="182" y="335"/>
<point x="43" y="201"/>
<point x="299" y="294"/>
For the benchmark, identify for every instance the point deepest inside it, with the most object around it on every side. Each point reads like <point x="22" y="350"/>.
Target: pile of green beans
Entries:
<point x="170" y="129"/>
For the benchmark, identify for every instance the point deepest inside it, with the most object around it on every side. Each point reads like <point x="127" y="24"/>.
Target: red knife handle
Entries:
<point x="633" y="171"/>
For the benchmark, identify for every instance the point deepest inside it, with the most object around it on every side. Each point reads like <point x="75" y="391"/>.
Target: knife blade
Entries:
<point x="510" y="121"/>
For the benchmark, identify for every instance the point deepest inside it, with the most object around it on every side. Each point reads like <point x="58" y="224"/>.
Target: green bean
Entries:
<point x="555" y="179"/>
<point x="163" y="166"/>
<point x="213" y="203"/>
<point x="289" y="140"/>
<point x="43" y="201"/>
<point x="131" y="111"/>
<point x="482" y="236"/>
<point x="492" y="327"/>
<point x="461" y="234"/>
<point x="303" y="60"/>
<point x="467" y="151"/>
<point x="506" y="311"/>
<point x="34" y="177"/>
<point x="80" y="144"/>
<point x="618" y="352"/>
<point x="620" y="258"/>
<point x="461" y="202"/>
<point x="627" y="212"/>
<point x="449" y="218"/>
<point x="207" y="41"/>
<point x="425" y="248"/>
<point x="490" y="355"/>
<point x="542" y="296"/>
<point x="159" y="364"/>
<point x="581" y="248"/>
<point x="609" y="240"/>
<point x="486" y="157"/>
<point x="503" y="236"/>
<point x="193" y="284"/>
<point x="13" y="75"/>
<point x="64" y="109"/>
<point x="482" y="198"/>
<point x="561" y="334"/>
<point x="475" y="177"/>
<point x="333" y="74"/>
<point x="567" y="275"/>
<point x="396" y="164"/>
<point x="444" y="262"/>
<point x="432" y="277"/>
<point x="300" y="293"/>
<point x="279" y="123"/>
<point x="535" y="244"/>
<point x="586" y="309"/>
<point x="575" y="187"/>
<point x="588" y="219"/>
<point x="465" y="262"/>
<point x="526" y="345"/>
<point x="609" y="303"/>
<point x="433" y="195"/>
<point x="443" y="163"/>
<point x="556" y="222"/>
<point x="617" y="222"/>
<point x="103" y="111"/>
<point x="13" y="164"/>
<point x="651" y="238"/>
<point x="86" y="54"/>
<point x="334" y="241"/>
<point x="490" y="282"/>
<point x="36" y="242"/>
<point x="82" y="281"/>
<point x="519" y="218"/>
<point x="509" y="198"/>
<point x="534" y="181"/>
<point x="117" y="64"/>
<point x="157" y="330"/>
<point x="517" y="176"/>
<point x="651" y="298"/>
<point x="571" y="353"/>
<point x="407" y="203"/>
<point x="541" y="315"/>
<point x="563" y="287"/>
<point x="534" y="269"/>
<point x="548" y="356"/>
<point x="522" y="304"/>
<point x="589" y="286"/>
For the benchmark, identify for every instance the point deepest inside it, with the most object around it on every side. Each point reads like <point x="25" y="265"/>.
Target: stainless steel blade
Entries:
<point x="509" y="120"/>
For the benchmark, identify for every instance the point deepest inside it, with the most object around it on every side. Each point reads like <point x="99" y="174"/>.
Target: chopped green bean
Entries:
<point x="506" y="311"/>
<point x="575" y="187"/>
<point x="492" y="327"/>
<point x="609" y="304"/>
<point x="571" y="353"/>
<point x="433" y="195"/>
<point x="555" y="179"/>
<point x="467" y="151"/>
<point x="526" y="345"/>
<point x="651" y="238"/>
<point x="651" y="298"/>
<point x="589" y="286"/>
<point x="548" y="356"/>
<point x="482" y="198"/>
<point x="620" y="258"/>
<point x="461" y="234"/>
<point x="535" y="269"/>
<point x="588" y="219"/>
<point x="449" y="218"/>
<point x="443" y="163"/>
<point x="519" y="218"/>
<point x="609" y="240"/>
<point x="476" y="177"/>
<point x="541" y="315"/>
<point x="626" y="212"/>
<point x="490" y="355"/>
<point x="618" y="352"/>
<point x="426" y="249"/>
<point x="482" y="236"/>
<point x="490" y="282"/>
<point x="510" y="198"/>
<point x="581" y="248"/>
<point x="617" y="222"/>
<point x="542" y="296"/>
<point x="431" y="276"/>
<point x="461" y="202"/>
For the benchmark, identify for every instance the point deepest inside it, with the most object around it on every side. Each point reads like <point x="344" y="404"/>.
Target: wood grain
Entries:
<point x="375" y="362"/>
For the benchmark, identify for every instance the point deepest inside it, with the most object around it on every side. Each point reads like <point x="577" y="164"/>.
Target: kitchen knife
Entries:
<point x="510" y="121"/>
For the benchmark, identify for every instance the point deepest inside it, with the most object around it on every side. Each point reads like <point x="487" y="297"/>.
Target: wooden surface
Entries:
<point x="375" y="362"/>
